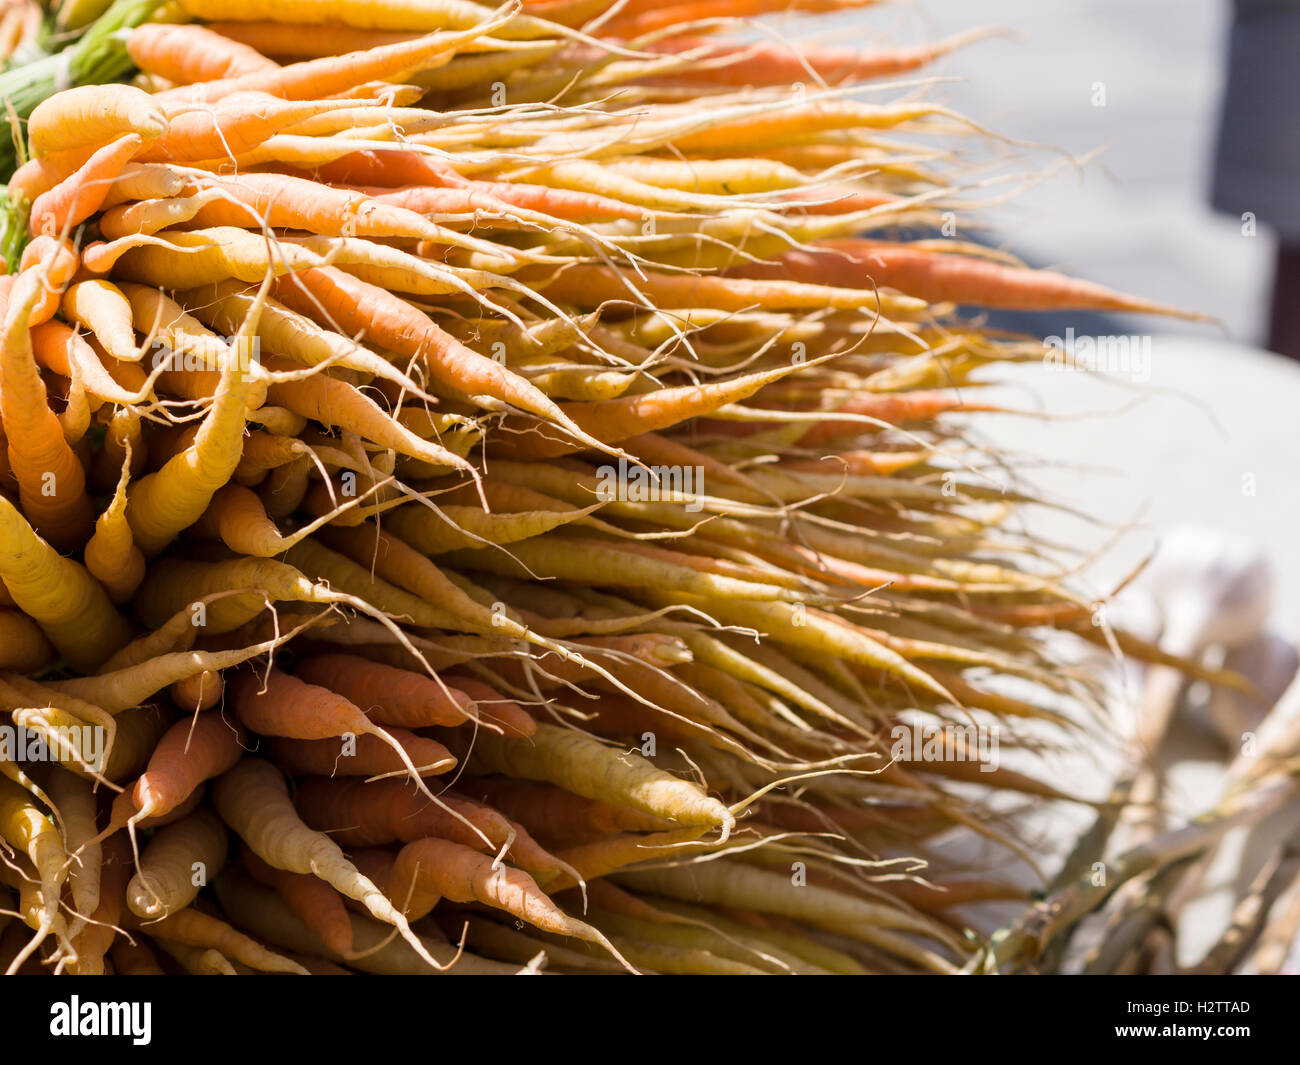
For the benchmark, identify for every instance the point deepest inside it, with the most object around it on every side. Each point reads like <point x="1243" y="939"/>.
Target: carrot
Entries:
<point x="388" y="695"/>
<point x="376" y="316"/>
<point x="59" y="260"/>
<point x="51" y="481"/>
<point x="190" y="752"/>
<point x="368" y="757"/>
<point x="896" y="408"/>
<point x="368" y="14"/>
<point x="163" y="503"/>
<point x="600" y="857"/>
<point x="645" y="16"/>
<point x="178" y="861"/>
<point x="336" y="403"/>
<point x="263" y="913"/>
<point x="327" y="76"/>
<point x="746" y="887"/>
<point x="236" y="126"/>
<point x="199" y="692"/>
<point x="193" y="928"/>
<point x="495" y="709"/>
<point x="25" y="827"/>
<point x="237" y="517"/>
<point x="592" y="286"/>
<point x="77" y="197"/>
<point x="198" y="961"/>
<point x="305" y="41"/>
<point x="295" y="336"/>
<point x="283" y="705"/>
<point x="23" y="646"/>
<point x="770" y="63"/>
<point x="604" y="563"/>
<point x="554" y="814"/>
<point x="312" y="901"/>
<point x="101" y="307"/>
<point x="91" y="115"/>
<point x="581" y="764"/>
<point x="283" y="201"/>
<point x="360" y="813"/>
<point x="187" y="53"/>
<point x="432" y="868"/>
<point x="190" y="259"/>
<point x="939" y="277"/>
<point x="254" y="800"/>
<point x="500" y="196"/>
<point x="390" y="168"/>
<point x="74" y="800"/>
<point x="469" y="528"/>
<point x="618" y="419"/>
<point x="111" y="555"/>
<point x="58" y="594"/>
<point x="100" y="933"/>
<point x="136" y="733"/>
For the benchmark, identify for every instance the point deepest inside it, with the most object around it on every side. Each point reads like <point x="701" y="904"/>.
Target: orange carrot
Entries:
<point x="493" y="707"/>
<point x="318" y="78"/>
<point x="76" y="198"/>
<point x="939" y="277"/>
<point x="190" y="752"/>
<point x="359" y="309"/>
<point x="556" y="815"/>
<point x="896" y="408"/>
<point x="429" y="869"/>
<point x="366" y="757"/>
<point x="286" y="706"/>
<point x="365" y="814"/>
<point x="302" y="41"/>
<point x="188" y="53"/>
<point x="389" y="169"/>
<point x="616" y="420"/>
<point x="388" y="695"/>
<point x="51" y="481"/>
<point x="313" y="901"/>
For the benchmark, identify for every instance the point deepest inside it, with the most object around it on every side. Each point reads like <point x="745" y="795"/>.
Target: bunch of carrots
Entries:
<point x="489" y="479"/>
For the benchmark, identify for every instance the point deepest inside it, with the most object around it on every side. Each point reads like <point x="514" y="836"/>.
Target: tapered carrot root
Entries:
<point x="193" y="928"/>
<point x="388" y="695"/>
<point x="429" y="869"/>
<point x="363" y="814"/>
<point x="751" y="888"/>
<point x="70" y="606"/>
<point x="938" y="277"/>
<point x="254" y="800"/>
<point x="312" y="901"/>
<point x="283" y="705"/>
<point x="92" y="114"/>
<point x="179" y="860"/>
<point x="186" y="54"/>
<point x="79" y="196"/>
<point x="51" y="481"/>
<point x="579" y="763"/>
<point x="187" y="754"/>
<point x="364" y="756"/>
<point x="375" y="951"/>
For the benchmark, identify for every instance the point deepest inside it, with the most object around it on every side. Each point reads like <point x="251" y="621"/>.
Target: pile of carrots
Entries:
<point x="327" y="337"/>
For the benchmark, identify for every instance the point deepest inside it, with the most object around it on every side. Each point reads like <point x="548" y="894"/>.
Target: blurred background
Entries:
<point x="1138" y="217"/>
